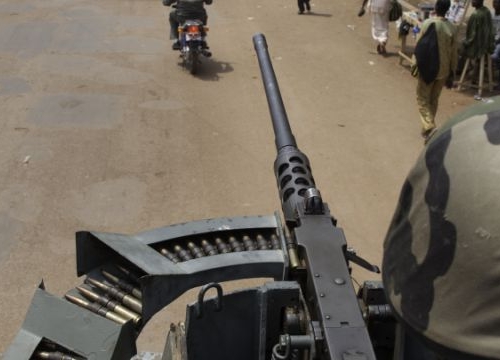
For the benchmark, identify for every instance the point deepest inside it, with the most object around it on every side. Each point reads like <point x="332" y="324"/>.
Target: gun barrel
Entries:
<point x="282" y="132"/>
<point x="291" y="168"/>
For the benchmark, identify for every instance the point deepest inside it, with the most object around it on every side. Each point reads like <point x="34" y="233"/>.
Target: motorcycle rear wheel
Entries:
<point x="192" y="62"/>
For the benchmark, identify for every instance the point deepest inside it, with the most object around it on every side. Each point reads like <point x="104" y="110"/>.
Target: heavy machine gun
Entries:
<point x="310" y="311"/>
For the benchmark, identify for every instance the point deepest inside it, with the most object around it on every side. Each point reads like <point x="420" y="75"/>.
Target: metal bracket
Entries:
<point x="201" y="295"/>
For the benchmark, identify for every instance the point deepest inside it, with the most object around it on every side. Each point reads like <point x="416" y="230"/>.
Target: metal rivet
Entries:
<point x="316" y="275"/>
<point x="321" y="295"/>
<point x="327" y="317"/>
<point x="339" y="281"/>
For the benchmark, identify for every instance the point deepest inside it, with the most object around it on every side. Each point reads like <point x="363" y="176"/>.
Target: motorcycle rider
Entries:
<point x="185" y="10"/>
<point x="441" y="268"/>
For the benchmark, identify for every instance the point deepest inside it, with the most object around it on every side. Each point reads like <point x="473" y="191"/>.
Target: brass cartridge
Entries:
<point x="122" y="284"/>
<point x="127" y="300"/>
<point x="96" y="308"/>
<point x="110" y="304"/>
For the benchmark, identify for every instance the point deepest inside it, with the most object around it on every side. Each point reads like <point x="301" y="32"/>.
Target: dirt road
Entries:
<point x="101" y="129"/>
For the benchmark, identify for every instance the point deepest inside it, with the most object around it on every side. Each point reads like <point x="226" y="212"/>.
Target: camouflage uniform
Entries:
<point x="441" y="266"/>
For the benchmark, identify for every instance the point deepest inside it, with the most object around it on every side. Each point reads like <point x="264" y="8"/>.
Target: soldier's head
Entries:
<point x="441" y="7"/>
<point x="441" y="266"/>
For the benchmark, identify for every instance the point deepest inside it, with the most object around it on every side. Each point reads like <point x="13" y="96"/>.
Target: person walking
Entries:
<point x="436" y="67"/>
<point x="304" y="5"/>
<point x="379" y="11"/>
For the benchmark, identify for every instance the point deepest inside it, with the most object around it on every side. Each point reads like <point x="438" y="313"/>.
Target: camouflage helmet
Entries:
<point x="441" y="265"/>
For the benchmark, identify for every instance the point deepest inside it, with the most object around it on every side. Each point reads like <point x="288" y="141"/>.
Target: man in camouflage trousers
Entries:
<point x="441" y="265"/>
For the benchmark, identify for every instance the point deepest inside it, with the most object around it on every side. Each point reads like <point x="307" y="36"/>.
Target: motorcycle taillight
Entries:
<point x="193" y="29"/>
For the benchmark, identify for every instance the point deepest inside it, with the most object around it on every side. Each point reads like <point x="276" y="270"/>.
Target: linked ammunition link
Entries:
<point x="53" y="355"/>
<point x="129" y="274"/>
<point x="122" y="284"/>
<point x="235" y="244"/>
<point x="126" y="299"/>
<point x="119" y="301"/>
<point x="172" y="257"/>
<point x="189" y="249"/>
<point x="222" y="246"/>
<point x="50" y="351"/>
<point x="96" y="308"/>
<point x="110" y="304"/>
<point x="208" y="248"/>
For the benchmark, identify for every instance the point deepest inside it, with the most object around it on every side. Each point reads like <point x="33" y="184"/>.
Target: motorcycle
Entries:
<point x="192" y="42"/>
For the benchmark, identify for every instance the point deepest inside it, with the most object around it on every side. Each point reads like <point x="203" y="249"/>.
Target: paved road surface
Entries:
<point x="101" y="129"/>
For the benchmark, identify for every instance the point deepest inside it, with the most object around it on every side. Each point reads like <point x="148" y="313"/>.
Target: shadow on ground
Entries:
<point x="209" y="69"/>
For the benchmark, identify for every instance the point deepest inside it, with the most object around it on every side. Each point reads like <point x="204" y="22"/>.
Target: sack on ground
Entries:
<point x="396" y="11"/>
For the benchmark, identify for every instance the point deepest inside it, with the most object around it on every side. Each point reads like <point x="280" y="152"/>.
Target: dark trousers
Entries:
<point x="303" y="5"/>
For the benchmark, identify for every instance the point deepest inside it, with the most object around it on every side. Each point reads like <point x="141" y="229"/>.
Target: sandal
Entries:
<point x="383" y="51"/>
